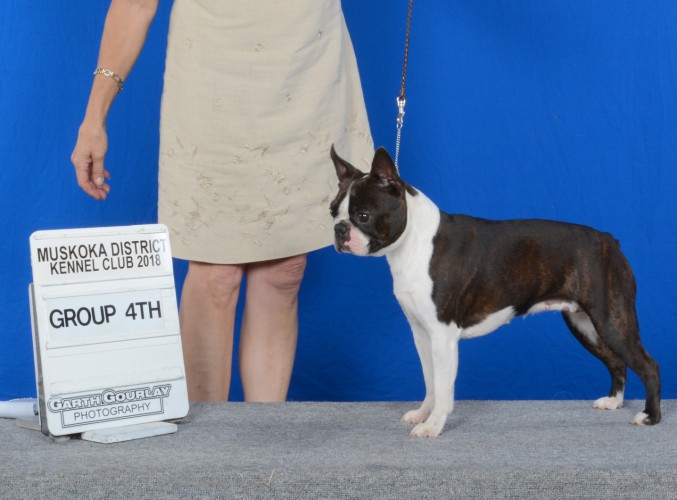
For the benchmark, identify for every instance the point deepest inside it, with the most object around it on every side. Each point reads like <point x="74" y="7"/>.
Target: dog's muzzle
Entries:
<point x="341" y="235"/>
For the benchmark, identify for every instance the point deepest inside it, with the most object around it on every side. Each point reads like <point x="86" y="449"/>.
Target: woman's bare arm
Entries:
<point x="124" y="34"/>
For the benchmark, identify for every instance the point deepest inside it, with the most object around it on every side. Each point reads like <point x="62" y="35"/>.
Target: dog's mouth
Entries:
<point x="341" y="246"/>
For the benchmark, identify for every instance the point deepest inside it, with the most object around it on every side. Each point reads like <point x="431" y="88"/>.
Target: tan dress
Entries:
<point x="255" y="93"/>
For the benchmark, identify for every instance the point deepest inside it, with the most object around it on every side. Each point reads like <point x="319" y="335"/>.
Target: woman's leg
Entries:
<point x="270" y="328"/>
<point x="207" y="316"/>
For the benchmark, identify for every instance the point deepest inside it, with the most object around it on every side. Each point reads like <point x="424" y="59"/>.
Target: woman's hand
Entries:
<point x="87" y="158"/>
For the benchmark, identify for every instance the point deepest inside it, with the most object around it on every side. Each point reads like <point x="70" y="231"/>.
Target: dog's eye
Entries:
<point x="362" y="217"/>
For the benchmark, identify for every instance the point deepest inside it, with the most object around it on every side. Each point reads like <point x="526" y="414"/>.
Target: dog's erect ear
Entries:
<point x="384" y="171"/>
<point x="344" y="170"/>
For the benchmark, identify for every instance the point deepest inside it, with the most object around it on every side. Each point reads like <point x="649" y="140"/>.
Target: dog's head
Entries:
<point x="370" y="210"/>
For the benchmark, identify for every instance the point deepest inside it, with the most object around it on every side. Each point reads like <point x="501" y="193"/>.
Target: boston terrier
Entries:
<point x="458" y="277"/>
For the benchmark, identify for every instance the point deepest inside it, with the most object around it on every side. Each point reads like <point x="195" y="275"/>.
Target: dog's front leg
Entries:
<point x="424" y="349"/>
<point x="444" y="350"/>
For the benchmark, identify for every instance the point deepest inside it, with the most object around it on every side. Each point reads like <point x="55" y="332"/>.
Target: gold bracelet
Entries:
<point x="110" y="74"/>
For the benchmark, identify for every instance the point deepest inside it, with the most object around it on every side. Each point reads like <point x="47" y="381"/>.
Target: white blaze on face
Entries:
<point x="358" y="243"/>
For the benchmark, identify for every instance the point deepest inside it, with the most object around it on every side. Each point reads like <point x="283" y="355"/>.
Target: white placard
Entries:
<point x="105" y="328"/>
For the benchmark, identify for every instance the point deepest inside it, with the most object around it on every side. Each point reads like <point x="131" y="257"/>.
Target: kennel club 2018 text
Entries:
<point x="94" y="257"/>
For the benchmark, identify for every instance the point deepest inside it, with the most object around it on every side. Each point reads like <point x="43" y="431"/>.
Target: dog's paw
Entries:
<point x="416" y="416"/>
<point x="608" y="403"/>
<point x="641" y="419"/>
<point x="427" y="429"/>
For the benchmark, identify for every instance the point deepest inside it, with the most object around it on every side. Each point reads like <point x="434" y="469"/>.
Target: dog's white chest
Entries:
<point x="410" y="261"/>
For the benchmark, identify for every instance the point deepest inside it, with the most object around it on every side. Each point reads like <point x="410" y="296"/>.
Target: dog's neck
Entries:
<point x="423" y="219"/>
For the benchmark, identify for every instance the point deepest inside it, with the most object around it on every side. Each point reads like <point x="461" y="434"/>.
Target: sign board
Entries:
<point x="105" y="329"/>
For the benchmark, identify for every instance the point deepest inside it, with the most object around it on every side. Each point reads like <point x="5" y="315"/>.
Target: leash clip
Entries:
<point x="401" y="102"/>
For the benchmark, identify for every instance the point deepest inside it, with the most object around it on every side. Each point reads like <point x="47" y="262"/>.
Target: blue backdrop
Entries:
<point x="547" y="109"/>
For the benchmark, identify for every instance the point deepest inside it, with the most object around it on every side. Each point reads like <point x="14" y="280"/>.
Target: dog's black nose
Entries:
<point x="341" y="229"/>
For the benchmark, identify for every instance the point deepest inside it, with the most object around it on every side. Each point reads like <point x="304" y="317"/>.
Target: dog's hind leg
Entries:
<point x="581" y="326"/>
<point x="615" y="320"/>
<point x="619" y="329"/>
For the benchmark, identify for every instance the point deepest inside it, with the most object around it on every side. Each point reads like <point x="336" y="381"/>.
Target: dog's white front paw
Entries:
<point x="608" y="403"/>
<point x="640" y="419"/>
<point x="427" y="429"/>
<point x="416" y="416"/>
<point x="431" y="427"/>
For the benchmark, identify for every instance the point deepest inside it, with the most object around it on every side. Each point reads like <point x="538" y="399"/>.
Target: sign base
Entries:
<point x="129" y="432"/>
<point x="110" y="435"/>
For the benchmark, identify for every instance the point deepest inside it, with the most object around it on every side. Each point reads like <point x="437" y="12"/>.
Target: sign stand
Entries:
<point x="107" y="346"/>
